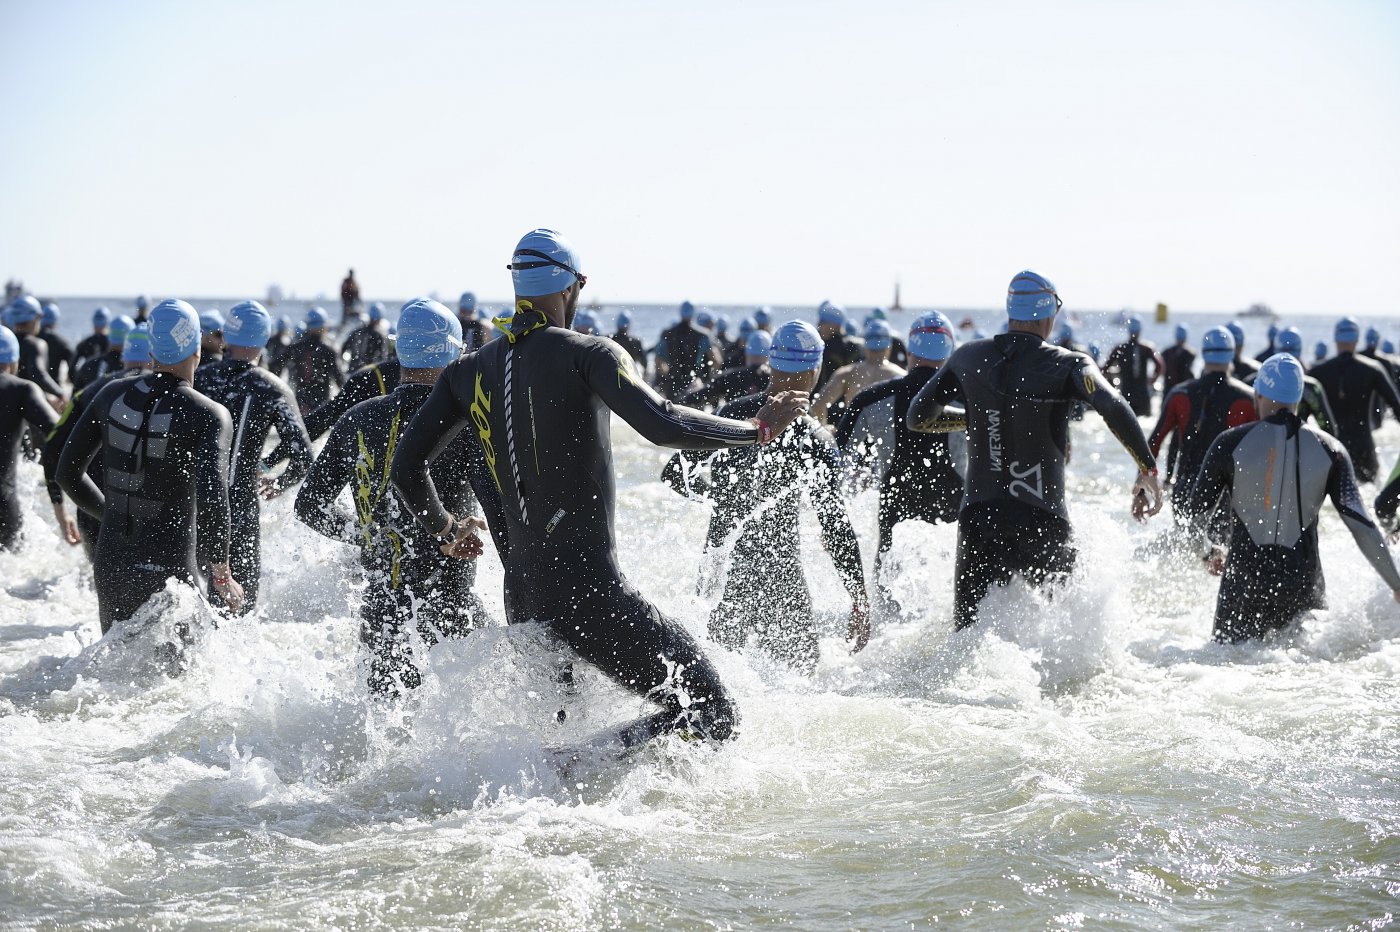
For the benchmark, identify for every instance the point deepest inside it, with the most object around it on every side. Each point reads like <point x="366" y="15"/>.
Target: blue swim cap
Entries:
<point x="1065" y="334"/>
<point x="1182" y="334"/>
<point x="51" y="314"/>
<point x="746" y="327"/>
<point x="25" y="309"/>
<point x="758" y="343"/>
<point x="1373" y="336"/>
<point x="376" y="311"/>
<point x="624" y="319"/>
<point x="1134" y="326"/>
<point x="174" y="332"/>
<point x="1348" y="330"/>
<point x="704" y="320"/>
<point x="687" y="310"/>
<point x="1319" y="350"/>
<point x="467" y="302"/>
<point x="1273" y="332"/>
<point x="137" y="347"/>
<point x="1289" y="340"/>
<point x="850" y="329"/>
<point x="878" y="335"/>
<point x="1031" y="297"/>
<point x="248" y="325"/>
<point x="102" y="317"/>
<point x="797" y="347"/>
<point x="721" y="324"/>
<point x="543" y="263"/>
<point x="284" y="323"/>
<point x="1387" y="347"/>
<point x="829" y="313"/>
<point x="9" y="347"/>
<point x="121" y="326"/>
<point x="931" y="337"/>
<point x="316" y="318"/>
<point x="877" y="313"/>
<point x="430" y="336"/>
<point x="763" y="316"/>
<point x="1237" y="332"/>
<point x="1218" y="346"/>
<point x="1281" y="379"/>
<point x="211" y="321"/>
<point x="585" y="322"/>
<point x="142" y="303"/>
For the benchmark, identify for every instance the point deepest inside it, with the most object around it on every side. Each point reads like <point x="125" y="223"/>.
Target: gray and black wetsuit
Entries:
<point x="165" y="450"/>
<point x="257" y="401"/>
<point x="411" y="584"/>
<point x="538" y="402"/>
<point x="919" y="475"/>
<point x="757" y="492"/>
<point x="22" y="409"/>
<point x="1017" y="391"/>
<point x="1350" y="382"/>
<point x="1276" y="472"/>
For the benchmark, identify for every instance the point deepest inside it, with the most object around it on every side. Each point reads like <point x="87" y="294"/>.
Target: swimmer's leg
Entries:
<point x="786" y="630"/>
<point x="384" y="633"/>
<point x="980" y="563"/>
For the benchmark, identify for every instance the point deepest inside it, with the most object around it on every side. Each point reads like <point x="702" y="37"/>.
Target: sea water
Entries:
<point x="1089" y="759"/>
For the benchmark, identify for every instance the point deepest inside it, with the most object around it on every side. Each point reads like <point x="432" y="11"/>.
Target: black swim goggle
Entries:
<point x="544" y="261"/>
<point x="1050" y="291"/>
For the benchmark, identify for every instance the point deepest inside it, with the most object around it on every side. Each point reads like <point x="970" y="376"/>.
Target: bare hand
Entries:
<point x="1215" y="563"/>
<point x="782" y="409"/>
<point x="269" y="487"/>
<point x="465" y="544"/>
<point x="858" y="631"/>
<point x="227" y="587"/>
<point x="1147" y="496"/>
<point x="67" y="527"/>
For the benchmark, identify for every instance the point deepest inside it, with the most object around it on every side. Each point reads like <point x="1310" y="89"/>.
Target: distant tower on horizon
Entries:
<point x="896" y="306"/>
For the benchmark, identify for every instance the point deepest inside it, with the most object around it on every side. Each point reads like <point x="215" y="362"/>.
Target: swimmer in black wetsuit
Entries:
<point x="623" y="338"/>
<point x="25" y="318"/>
<point x="1128" y="368"/>
<point x="538" y="402"/>
<point x="1350" y="381"/>
<point x="683" y="354"/>
<point x="757" y="492"/>
<point x="92" y="345"/>
<point x="1244" y="367"/>
<point x="1314" y="404"/>
<point x="258" y="401"/>
<point x="1177" y="362"/>
<point x="109" y="361"/>
<point x="22" y="408"/>
<point x="366" y="344"/>
<point x="60" y="353"/>
<point x="838" y="349"/>
<point x="165" y="448"/>
<point x="475" y="331"/>
<point x="1017" y="390"/>
<point x="211" y="338"/>
<point x="749" y="379"/>
<point x="313" y="365"/>
<point x="412" y="584"/>
<point x="919" y="475"/>
<point x="1275" y="474"/>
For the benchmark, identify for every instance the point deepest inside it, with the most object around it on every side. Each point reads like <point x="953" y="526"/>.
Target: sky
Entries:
<point x="1207" y="155"/>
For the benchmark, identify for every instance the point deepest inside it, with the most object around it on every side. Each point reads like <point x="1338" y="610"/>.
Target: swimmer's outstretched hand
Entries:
<point x="465" y="544"/>
<point x="1215" y="561"/>
<point x="778" y="413"/>
<point x="1147" y="496"/>
<point x="67" y="527"/>
<point x="227" y="587"/>
<point x="858" y="631"/>
<point x="269" y="487"/>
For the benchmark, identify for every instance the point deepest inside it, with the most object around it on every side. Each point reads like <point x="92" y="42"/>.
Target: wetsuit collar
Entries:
<point x="524" y="320"/>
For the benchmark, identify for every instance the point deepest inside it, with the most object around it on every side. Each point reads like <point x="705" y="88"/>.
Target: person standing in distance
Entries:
<point x="538" y="401"/>
<point x="165" y="450"/>
<point x="1017" y="390"/>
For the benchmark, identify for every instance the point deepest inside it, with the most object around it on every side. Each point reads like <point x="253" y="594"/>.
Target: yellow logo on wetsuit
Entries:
<point x="369" y="492"/>
<point x="480" y="411"/>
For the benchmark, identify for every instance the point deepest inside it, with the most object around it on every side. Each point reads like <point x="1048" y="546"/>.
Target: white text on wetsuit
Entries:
<point x="994" y="438"/>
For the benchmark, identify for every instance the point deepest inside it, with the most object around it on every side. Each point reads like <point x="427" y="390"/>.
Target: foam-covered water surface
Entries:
<point x="1083" y="758"/>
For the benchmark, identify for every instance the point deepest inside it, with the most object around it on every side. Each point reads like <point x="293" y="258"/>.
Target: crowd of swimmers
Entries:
<point x="445" y="434"/>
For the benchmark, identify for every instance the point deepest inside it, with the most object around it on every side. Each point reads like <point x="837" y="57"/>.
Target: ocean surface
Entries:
<point x="1087" y="761"/>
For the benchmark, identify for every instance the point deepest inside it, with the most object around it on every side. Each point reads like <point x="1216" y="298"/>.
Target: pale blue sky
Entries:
<point x="1205" y="154"/>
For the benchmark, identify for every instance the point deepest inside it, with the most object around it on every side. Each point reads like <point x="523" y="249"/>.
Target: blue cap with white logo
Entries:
<point x="211" y="321"/>
<point x="1289" y="340"/>
<point x="248" y="325"/>
<point x="1280" y="378"/>
<point x="429" y="335"/>
<point x="1348" y="330"/>
<point x="797" y="347"/>
<point x="878" y="335"/>
<point x="316" y="318"/>
<point x="931" y="337"/>
<point x="1218" y="346"/>
<point x="1031" y="296"/>
<point x="174" y="332"/>
<point x="759" y="342"/>
<point x="137" y="347"/>
<point x="121" y="326"/>
<point x="830" y="313"/>
<point x="9" y="347"/>
<point x="543" y="263"/>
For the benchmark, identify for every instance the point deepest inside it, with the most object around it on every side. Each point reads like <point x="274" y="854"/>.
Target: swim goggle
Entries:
<point x="1012" y="290"/>
<point x="545" y="260"/>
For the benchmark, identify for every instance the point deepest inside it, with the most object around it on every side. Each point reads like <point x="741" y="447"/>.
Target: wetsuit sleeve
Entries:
<point x="83" y="444"/>
<point x="1174" y="418"/>
<point x="1089" y="384"/>
<point x="929" y="412"/>
<point x="36" y="411"/>
<point x="1346" y="496"/>
<point x="609" y="372"/>
<point x="1389" y="499"/>
<point x="436" y="424"/>
<point x="838" y="536"/>
<point x="291" y="435"/>
<point x="1215" y="479"/>
<point x="682" y="473"/>
<point x="333" y="470"/>
<point x="211" y="483"/>
<point x="1386" y="389"/>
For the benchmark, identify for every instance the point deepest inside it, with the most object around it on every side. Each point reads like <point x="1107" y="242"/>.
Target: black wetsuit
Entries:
<point x="757" y="491"/>
<point x="1350" y="380"/>
<point x="1017" y="390"/>
<point x="1261" y="356"/>
<point x="1193" y="415"/>
<point x="60" y="355"/>
<point x="837" y="351"/>
<point x="94" y="369"/>
<point x="34" y="363"/>
<point x="1276" y="473"/>
<point x="538" y="402"/>
<point x="257" y="401"/>
<point x="476" y="333"/>
<point x="22" y="408"/>
<point x="919" y="475"/>
<point x="165" y="448"/>
<point x="365" y="345"/>
<point x="730" y="385"/>
<point x="411" y="583"/>
<point x="373" y="381"/>
<point x="1128" y="370"/>
<point x="634" y="348"/>
<point x="1244" y="368"/>
<point x="899" y="353"/>
<point x="686" y="350"/>
<point x="1177" y="361"/>
<point x="312" y="367"/>
<point x="275" y="353"/>
<point x="734" y="354"/>
<point x="1388" y="364"/>
<point x="88" y="348"/>
<point x="1388" y="501"/>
